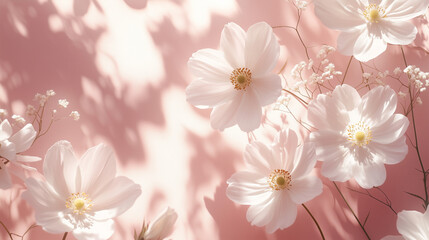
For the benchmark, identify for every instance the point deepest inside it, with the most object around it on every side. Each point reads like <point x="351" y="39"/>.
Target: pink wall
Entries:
<point x="123" y="67"/>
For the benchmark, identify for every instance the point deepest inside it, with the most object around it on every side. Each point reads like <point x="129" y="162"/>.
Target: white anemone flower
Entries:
<point x="80" y="196"/>
<point x="237" y="80"/>
<point x="357" y="135"/>
<point x="367" y="26"/>
<point x="10" y="147"/>
<point x="162" y="226"/>
<point x="278" y="178"/>
<point x="412" y="225"/>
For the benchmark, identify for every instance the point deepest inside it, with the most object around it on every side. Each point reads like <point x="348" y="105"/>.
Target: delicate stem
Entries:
<point x="65" y="235"/>
<point x="7" y="230"/>
<point x="347" y="70"/>
<point x="416" y="145"/>
<point x="302" y="101"/>
<point x="351" y="210"/>
<point x="315" y="221"/>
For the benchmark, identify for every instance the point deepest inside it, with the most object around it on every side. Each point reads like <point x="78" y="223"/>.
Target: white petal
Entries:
<point x="248" y="188"/>
<point x="391" y="153"/>
<point x="224" y="116"/>
<point x="267" y="88"/>
<point x="378" y="105"/>
<point x="27" y="159"/>
<point x="210" y="65"/>
<point x="305" y="189"/>
<point x="232" y="42"/>
<point x="304" y="160"/>
<point x="59" y="168"/>
<point x="346" y="40"/>
<point x="162" y="226"/>
<point x="369" y="175"/>
<point x="328" y="144"/>
<point x="41" y="196"/>
<point x="403" y="10"/>
<point x="347" y="96"/>
<point x="115" y="198"/>
<point x="259" y="157"/>
<point x="249" y="113"/>
<point x="390" y="130"/>
<point x="5" y="130"/>
<point x="412" y="225"/>
<point x="398" y="32"/>
<point x="7" y="150"/>
<point x="325" y="112"/>
<point x="53" y="222"/>
<point x="5" y="181"/>
<point x="262" y="49"/>
<point x="99" y="230"/>
<point x="285" y="146"/>
<point x="337" y="168"/>
<point x="339" y="15"/>
<point x="285" y="212"/>
<point x="24" y="138"/>
<point x="203" y="94"/>
<point x="98" y="168"/>
<point x="369" y="44"/>
<point x="261" y="214"/>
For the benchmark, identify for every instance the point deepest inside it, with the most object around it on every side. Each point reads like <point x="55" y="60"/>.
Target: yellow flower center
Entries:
<point x="373" y="13"/>
<point x="359" y="134"/>
<point x="280" y="179"/>
<point x="241" y="78"/>
<point x="79" y="203"/>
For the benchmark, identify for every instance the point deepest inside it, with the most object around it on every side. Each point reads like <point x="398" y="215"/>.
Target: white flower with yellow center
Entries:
<point x="278" y="178"/>
<point x="367" y="26"/>
<point x="357" y="136"/>
<point x="80" y="196"/>
<point x="236" y="81"/>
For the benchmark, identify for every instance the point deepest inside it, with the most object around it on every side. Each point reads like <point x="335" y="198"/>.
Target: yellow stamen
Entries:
<point x="280" y="179"/>
<point x="241" y="78"/>
<point x="359" y="134"/>
<point x="374" y="13"/>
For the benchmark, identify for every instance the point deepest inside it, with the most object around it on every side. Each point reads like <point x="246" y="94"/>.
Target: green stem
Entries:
<point x="315" y="221"/>
<point x="351" y="210"/>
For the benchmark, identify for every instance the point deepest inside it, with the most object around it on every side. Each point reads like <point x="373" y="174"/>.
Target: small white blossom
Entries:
<point x="50" y="93"/>
<point x="3" y="113"/>
<point x="40" y="98"/>
<point x="75" y="115"/>
<point x="18" y="119"/>
<point x="300" y="4"/>
<point x="402" y="94"/>
<point x="397" y="71"/>
<point x="63" y="103"/>
<point x="419" y="101"/>
<point x="31" y="110"/>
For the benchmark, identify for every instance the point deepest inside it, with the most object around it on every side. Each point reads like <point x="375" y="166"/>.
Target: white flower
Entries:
<point x="357" y="136"/>
<point x="237" y="80"/>
<point x="63" y="103"/>
<point x="278" y="178"/>
<point x="412" y="225"/>
<point x="10" y="146"/>
<point x="367" y="26"/>
<point x="75" y="115"/>
<point x="162" y="226"/>
<point x="80" y="196"/>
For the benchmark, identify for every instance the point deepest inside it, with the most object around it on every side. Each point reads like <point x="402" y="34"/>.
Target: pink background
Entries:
<point x="122" y="65"/>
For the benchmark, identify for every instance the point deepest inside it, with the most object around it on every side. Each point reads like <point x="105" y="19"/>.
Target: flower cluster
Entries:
<point x="353" y="135"/>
